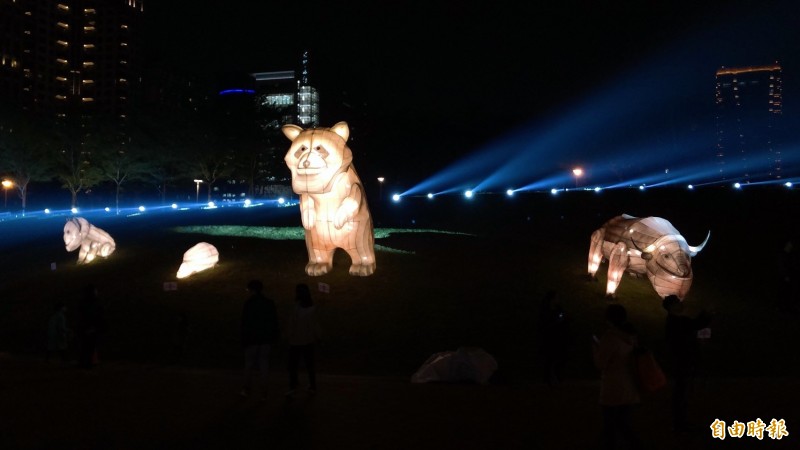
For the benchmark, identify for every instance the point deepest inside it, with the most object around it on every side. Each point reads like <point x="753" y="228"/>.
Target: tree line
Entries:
<point x="155" y="153"/>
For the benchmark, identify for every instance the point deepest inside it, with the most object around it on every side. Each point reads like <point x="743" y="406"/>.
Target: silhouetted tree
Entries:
<point x="75" y="171"/>
<point x="214" y="165"/>
<point x="24" y="147"/>
<point x="117" y="157"/>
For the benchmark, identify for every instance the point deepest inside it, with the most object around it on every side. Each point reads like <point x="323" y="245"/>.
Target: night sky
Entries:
<point x="440" y="79"/>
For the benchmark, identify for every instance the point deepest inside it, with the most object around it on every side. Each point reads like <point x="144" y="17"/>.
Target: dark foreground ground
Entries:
<point x="453" y="291"/>
<point x="120" y="405"/>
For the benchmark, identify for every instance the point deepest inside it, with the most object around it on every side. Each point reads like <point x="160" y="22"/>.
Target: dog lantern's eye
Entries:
<point x="300" y="151"/>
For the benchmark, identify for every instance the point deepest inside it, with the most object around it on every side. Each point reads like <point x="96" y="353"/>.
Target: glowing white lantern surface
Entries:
<point x="333" y="204"/>
<point x="92" y="241"/>
<point x="644" y="246"/>
<point x="198" y="258"/>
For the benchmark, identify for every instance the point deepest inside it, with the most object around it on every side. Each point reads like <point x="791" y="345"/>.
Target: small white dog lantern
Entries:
<point x="92" y="241"/>
<point x="198" y="258"/>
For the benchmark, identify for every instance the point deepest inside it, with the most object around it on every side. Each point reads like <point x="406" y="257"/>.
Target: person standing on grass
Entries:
<point x="302" y="334"/>
<point x="260" y="330"/>
<point x="790" y="295"/>
<point x="91" y="327"/>
<point x="680" y="333"/>
<point x="58" y="333"/>
<point x="180" y="334"/>
<point x="553" y="338"/>
<point x="619" y="394"/>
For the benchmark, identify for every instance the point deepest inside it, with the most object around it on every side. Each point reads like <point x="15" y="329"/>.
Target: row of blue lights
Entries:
<point x="469" y="193"/>
<point x="247" y="203"/>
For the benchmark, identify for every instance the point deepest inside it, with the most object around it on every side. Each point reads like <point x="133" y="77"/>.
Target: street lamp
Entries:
<point x="578" y="172"/>
<point x="6" y="186"/>
<point x="380" y="188"/>
<point x="197" y="195"/>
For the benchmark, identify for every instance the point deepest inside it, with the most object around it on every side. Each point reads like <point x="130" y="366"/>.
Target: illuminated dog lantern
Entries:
<point x="333" y="206"/>
<point x="640" y="246"/>
<point x="92" y="241"/>
<point x="198" y="258"/>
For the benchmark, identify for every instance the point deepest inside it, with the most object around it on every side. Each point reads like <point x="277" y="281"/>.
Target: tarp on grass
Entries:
<point x="465" y="364"/>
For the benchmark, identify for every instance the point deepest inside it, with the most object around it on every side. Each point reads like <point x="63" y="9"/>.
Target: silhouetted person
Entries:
<point x="790" y="297"/>
<point x="58" y="333"/>
<point x="180" y="334"/>
<point x="682" y="346"/>
<point x="259" y="331"/>
<point x="302" y="334"/>
<point x="619" y="393"/>
<point x="91" y="326"/>
<point x="554" y="338"/>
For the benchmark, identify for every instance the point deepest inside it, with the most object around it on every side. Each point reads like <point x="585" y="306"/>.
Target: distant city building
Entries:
<point x="748" y="117"/>
<point x="251" y="111"/>
<point x="64" y="57"/>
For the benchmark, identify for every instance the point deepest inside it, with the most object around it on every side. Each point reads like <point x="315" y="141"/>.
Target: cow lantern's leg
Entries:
<point x="617" y="263"/>
<point x="596" y="252"/>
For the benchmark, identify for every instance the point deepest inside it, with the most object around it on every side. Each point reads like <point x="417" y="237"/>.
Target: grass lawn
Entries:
<point x="450" y="273"/>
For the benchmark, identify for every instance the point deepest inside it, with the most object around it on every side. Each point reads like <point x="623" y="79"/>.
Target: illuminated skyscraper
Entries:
<point x="284" y="97"/>
<point x="749" y="110"/>
<point x="65" y="57"/>
<point x="265" y="102"/>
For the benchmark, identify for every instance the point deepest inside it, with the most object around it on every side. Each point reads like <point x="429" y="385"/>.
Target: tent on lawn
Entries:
<point x="465" y="364"/>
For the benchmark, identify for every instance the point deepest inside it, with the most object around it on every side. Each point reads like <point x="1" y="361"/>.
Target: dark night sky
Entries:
<point x="442" y="77"/>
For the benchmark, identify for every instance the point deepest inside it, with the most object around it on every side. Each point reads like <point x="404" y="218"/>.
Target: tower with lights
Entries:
<point x="749" y="109"/>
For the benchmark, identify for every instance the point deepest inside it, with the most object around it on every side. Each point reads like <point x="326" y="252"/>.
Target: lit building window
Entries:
<point x="63" y="7"/>
<point x="123" y="44"/>
<point x="89" y="11"/>
<point x="123" y="62"/>
<point x="61" y="78"/>
<point x="274" y="100"/>
<point x="88" y="64"/>
<point x="123" y="80"/>
<point x="63" y="43"/>
<point x="63" y="25"/>
<point x="88" y="45"/>
<point x="87" y="99"/>
<point x="61" y="97"/>
<point x="88" y="81"/>
<point x="61" y="60"/>
<point x="88" y="28"/>
<point x="124" y="27"/>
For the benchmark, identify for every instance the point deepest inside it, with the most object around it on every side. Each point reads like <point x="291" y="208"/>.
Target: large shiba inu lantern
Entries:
<point x="644" y="246"/>
<point x="92" y="241"/>
<point x="333" y="204"/>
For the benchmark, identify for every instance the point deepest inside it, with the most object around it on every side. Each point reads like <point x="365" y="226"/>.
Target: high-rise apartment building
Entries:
<point x="71" y="57"/>
<point x="748" y="117"/>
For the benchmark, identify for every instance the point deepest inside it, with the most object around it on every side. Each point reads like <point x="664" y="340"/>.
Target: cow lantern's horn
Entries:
<point x="646" y="253"/>
<point x="695" y="250"/>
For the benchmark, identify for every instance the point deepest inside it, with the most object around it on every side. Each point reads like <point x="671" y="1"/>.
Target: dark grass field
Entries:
<point x="479" y="288"/>
<point x="432" y="291"/>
